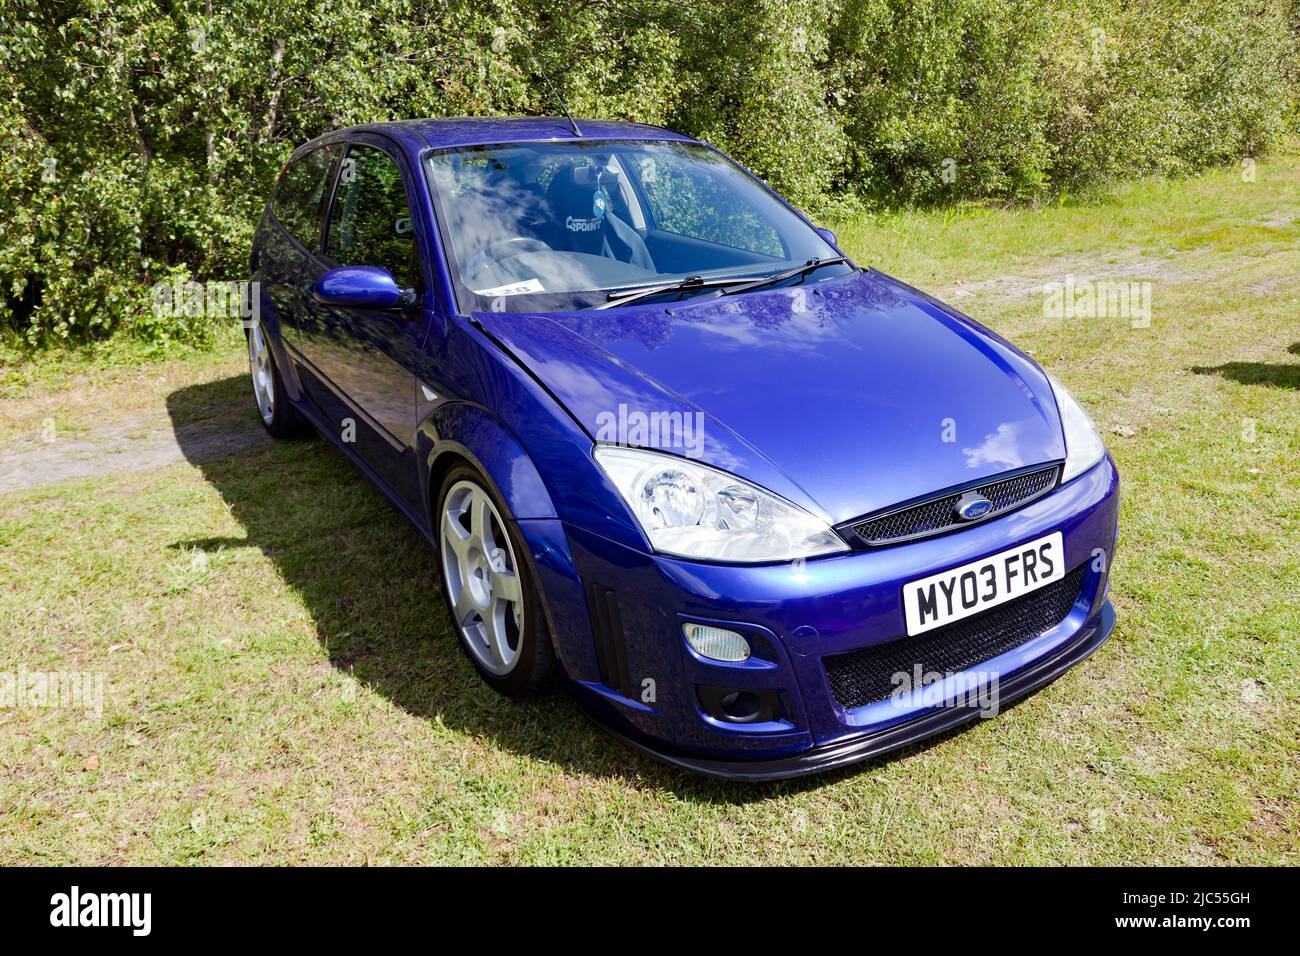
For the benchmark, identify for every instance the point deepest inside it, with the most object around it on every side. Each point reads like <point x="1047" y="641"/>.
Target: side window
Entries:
<point x="297" y="202"/>
<point x="692" y="199"/>
<point x="370" y="224"/>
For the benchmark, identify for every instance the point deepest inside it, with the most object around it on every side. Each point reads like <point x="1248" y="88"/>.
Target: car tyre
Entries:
<point x="278" y="416"/>
<point x="488" y="585"/>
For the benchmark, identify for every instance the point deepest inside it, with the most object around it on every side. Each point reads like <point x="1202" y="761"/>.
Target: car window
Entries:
<point x="298" y="197"/>
<point x="370" y="224"/>
<point x="688" y="196"/>
<point x="556" y="226"/>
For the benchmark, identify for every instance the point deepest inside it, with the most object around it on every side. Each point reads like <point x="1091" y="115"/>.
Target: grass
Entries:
<point x="278" y="691"/>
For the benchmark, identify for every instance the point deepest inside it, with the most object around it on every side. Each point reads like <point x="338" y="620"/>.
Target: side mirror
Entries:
<point x="828" y="236"/>
<point x="359" y="287"/>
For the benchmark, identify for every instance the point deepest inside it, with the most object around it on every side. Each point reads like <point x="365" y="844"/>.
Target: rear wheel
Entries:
<point x="268" y="388"/>
<point x="488" y="585"/>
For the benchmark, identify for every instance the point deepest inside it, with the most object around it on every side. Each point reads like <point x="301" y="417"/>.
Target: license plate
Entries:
<point x="960" y="592"/>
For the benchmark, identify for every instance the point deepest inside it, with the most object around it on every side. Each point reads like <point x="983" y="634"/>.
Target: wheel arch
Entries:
<point x="460" y="431"/>
<point x="463" y="433"/>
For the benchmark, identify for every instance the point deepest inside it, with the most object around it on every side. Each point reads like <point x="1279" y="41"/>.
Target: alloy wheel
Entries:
<point x="482" y="577"/>
<point x="259" y="363"/>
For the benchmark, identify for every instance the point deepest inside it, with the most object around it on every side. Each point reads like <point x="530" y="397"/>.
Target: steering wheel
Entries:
<point x="504" y="249"/>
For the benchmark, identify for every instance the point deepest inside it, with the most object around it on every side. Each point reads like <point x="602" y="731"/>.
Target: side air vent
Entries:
<point x="607" y="630"/>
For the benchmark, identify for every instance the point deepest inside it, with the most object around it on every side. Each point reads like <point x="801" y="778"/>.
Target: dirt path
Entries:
<point x="127" y="421"/>
<point x="1169" y="267"/>
<point x="129" y="445"/>
<point x="1130" y="265"/>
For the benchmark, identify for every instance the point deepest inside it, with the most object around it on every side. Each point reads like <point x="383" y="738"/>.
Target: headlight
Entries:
<point x="1083" y="444"/>
<point x="695" y="511"/>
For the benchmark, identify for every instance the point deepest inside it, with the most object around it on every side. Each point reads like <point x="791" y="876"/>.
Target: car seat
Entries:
<point x="583" y="219"/>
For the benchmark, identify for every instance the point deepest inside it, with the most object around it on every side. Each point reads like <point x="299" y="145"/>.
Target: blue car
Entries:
<point x="760" y="510"/>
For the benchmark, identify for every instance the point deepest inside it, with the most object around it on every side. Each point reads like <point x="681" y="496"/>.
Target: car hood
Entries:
<point x="846" y="396"/>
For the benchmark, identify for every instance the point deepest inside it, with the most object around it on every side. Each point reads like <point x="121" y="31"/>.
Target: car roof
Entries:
<point x="451" y="132"/>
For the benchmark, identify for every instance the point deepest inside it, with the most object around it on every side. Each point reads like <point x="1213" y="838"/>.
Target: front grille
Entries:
<point x="939" y="514"/>
<point x="864" y="676"/>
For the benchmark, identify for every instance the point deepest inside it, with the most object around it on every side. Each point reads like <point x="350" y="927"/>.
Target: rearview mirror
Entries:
<point x="359" y="287"/>
<point x="828" y="236"/>
<point x="591" y="175"/>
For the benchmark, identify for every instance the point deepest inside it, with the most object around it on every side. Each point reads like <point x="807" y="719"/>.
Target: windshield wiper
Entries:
<point x="695" y="283"/>
<point x="809" y="266"/>
<point x="689" y="284"/>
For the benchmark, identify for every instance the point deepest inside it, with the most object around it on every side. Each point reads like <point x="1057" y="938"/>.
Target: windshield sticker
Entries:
<point x="527" y="287"/>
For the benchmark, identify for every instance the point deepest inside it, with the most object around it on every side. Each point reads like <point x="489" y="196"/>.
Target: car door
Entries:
<point x="361" y="363"/>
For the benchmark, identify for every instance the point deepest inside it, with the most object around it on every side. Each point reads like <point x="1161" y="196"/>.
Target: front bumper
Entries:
<point x="795" y="616"/>
<point x="861" y="747"/>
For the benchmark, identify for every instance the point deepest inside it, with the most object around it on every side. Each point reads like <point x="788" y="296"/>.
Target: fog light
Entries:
<point x="716" y="643"/>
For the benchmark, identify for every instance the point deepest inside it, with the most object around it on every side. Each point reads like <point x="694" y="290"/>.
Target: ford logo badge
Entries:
<point x="972" y="506"/>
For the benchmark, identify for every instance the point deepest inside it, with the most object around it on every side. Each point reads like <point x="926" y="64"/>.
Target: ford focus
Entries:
<point x="761" y="510"/>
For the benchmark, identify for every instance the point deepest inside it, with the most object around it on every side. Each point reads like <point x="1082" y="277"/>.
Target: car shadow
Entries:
<point x="366" y="579"/>
<point x="1276" y="374"/>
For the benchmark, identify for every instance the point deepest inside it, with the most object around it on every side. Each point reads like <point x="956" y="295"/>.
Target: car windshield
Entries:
<point x="560" y="226"/>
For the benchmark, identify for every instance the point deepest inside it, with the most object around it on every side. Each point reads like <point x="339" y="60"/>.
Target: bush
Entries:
<point x="139" y="139"/>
